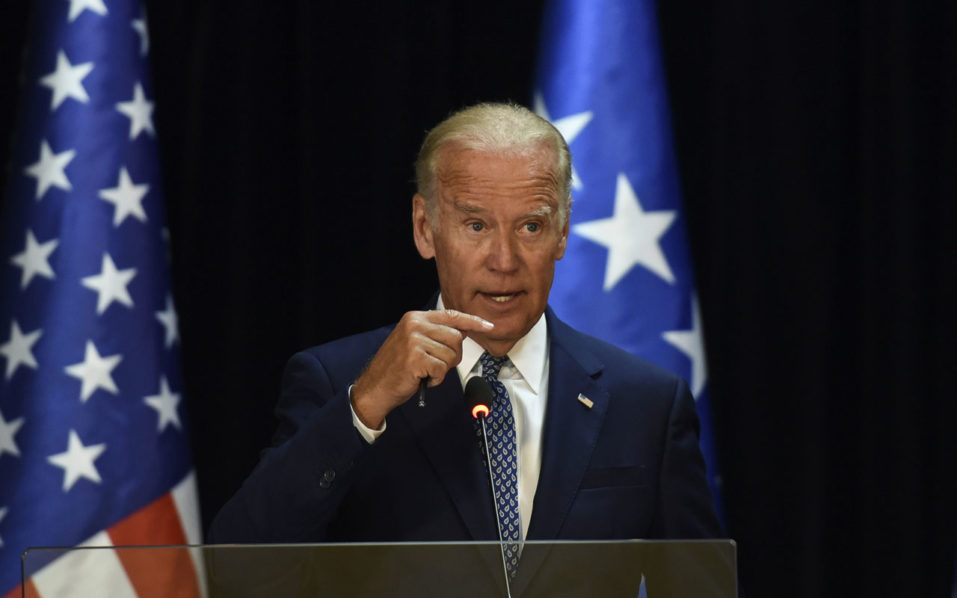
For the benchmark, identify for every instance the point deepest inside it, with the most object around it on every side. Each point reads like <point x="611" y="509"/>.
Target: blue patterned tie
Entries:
<point x="504" y="455"/>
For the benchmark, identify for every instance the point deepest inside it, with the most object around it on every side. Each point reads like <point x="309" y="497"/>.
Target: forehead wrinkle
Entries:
<point x="470" y="188"/>
<point x="469" y="208"/>
<point x="465" y="183"/>
<point x="539" y="180"/>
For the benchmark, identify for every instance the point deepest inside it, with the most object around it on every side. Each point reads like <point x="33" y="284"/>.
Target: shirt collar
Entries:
<point x="528" y="355"/>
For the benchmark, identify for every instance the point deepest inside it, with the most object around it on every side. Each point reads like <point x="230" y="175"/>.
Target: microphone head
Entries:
<point x="478" y="396"/>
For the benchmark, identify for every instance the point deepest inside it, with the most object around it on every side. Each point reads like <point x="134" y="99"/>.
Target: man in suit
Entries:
<point x="594" y="443"/>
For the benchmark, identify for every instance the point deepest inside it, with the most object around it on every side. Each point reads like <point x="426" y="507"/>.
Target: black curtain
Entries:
<point x="817" y="147"/>
<point x="818" y="143"/>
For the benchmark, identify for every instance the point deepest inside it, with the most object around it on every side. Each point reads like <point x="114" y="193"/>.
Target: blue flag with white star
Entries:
<point x="93" y="449"/>
<point x="626" y="276"/>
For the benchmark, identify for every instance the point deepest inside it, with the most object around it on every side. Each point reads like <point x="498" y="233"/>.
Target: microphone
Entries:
<point x="478" y="396"/>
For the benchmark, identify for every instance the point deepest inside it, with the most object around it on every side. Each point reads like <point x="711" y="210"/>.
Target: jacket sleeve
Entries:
<point x="299" y="483"/>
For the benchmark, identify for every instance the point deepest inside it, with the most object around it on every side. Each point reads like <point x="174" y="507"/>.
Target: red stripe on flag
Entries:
<point x="159" y="572"/>
<point x="29" y="590"/>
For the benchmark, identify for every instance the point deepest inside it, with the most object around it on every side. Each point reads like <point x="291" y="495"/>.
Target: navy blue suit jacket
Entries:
<point x="628" y="467"/>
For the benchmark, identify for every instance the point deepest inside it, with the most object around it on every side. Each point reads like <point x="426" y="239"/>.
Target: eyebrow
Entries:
<point x="467" y="208"/>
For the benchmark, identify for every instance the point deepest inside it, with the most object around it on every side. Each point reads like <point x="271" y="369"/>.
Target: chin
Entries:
<point x="510" y="334"/>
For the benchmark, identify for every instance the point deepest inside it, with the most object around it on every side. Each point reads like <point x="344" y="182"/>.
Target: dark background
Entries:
<point x="817" y="142"/>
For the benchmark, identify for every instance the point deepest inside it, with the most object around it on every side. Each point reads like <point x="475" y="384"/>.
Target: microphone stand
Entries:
<point x="498" y="521"/>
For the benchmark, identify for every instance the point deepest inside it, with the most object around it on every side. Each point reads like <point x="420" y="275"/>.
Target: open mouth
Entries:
<point x="501" y="297"/>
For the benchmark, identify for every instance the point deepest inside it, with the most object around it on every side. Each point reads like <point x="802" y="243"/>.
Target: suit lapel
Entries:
<point x="570" y="434"/>
<point x="445" y="433"/>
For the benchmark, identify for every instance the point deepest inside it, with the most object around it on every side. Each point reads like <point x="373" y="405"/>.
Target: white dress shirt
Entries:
<point x="526" y="380"/>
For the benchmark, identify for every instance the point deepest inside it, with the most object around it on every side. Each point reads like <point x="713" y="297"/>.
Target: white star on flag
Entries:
<point x="110" y="284"/>
<point x="139" y="25"/>
<point x="94" y="372"/>
<point x="3" y="513"/>
<point x="19" y="349"/>
<point x="78" y="6"/>
<point x="165" y="404"/>
<point x="631" y="235"/>
<point x="34" y="259"/>
<point x="691" y="343"/>
<point x="569" y="126"/>
<point x="140" y="112"/>
<point x="77" y="461"/>
<point x="126" y="198"/>
<point x="48" y="170"/>
<point x="67" y="81"/>
<point x="7" y="431"/>
<point x="169" y="321"/>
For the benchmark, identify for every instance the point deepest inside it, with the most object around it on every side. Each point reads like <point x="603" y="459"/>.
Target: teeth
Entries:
<point x="502" y="298"/>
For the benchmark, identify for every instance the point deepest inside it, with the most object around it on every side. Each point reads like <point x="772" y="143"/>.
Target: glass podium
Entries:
<point x="695" y="568"/>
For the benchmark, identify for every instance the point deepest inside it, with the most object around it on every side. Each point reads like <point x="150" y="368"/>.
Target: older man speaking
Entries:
<point x="588" y="441"/>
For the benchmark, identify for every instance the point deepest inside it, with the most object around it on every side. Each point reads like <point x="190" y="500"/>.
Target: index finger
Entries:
<point x="461" y="320"/>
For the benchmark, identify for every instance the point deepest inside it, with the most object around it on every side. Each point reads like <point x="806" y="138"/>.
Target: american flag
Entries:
<point x="626" y="276"/>
<point x="93" y="444"/>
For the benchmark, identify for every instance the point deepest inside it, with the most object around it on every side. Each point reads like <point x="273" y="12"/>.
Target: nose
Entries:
<point x="502" y="253"/>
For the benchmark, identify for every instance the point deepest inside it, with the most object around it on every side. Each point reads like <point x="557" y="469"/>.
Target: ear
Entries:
<point x="421" y="228"/>
<point x="560" y="250"/>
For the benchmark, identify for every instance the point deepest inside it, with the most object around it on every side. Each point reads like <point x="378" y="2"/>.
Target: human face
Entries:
<point x="496" y="240"/>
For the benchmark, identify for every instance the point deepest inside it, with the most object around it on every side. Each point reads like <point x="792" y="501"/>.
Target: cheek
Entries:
<point x="546" y="276"/>
<point x="542" y="261"/>
<point x="455" y="265"/>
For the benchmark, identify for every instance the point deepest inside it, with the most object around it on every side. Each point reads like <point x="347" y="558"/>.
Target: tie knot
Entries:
<point x="491" y="365"/>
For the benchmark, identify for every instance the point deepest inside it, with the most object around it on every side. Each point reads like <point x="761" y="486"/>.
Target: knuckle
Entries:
<point x="410" y="319"/>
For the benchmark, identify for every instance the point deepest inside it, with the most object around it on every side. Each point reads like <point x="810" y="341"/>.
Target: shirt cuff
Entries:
<point x="368" y="434"/>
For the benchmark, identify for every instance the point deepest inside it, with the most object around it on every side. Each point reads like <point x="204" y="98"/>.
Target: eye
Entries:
<point x="532" y="227"/>
<point x="477" y="227"/>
